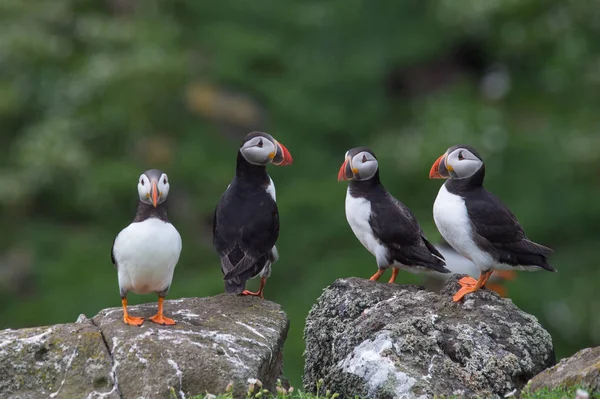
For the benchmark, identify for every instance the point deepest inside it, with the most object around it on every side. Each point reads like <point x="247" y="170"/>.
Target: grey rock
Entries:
<point x="380" y="340"/>
<point x="580" y="370"/>
<point x="216" y="341"/>
<point x="60" y="361"/>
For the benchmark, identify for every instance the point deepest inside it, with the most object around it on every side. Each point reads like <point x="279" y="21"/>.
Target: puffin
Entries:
<point x="385" y="226"/>
<point x="246" y="218"/>
<point x="477" y="224"/>
<point x="146" y="252"/>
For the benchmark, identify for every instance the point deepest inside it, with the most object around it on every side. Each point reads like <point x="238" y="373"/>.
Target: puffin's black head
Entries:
<point x="360" y="164"/>
<point x="458" y="162"/>
<point x="260" y="148"/>
<point x="153" y="187"/>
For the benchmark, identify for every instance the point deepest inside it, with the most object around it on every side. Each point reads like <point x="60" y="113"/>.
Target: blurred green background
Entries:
<point x="92" y="93"/>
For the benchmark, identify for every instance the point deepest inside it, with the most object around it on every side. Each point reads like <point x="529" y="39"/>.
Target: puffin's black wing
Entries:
<point x="396" y="227"/>
<point x="244" y="233"/>
<point x="498" y="231"/>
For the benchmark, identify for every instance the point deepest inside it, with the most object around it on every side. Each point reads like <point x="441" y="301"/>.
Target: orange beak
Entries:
<point x="281" y="156"/>
<point x="438" y="169"/>
<point x="345" y="172"/>
<point x="154" y="194"/>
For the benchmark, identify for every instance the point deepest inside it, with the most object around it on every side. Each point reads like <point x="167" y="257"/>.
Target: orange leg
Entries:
<point x="259" y="293"/>
<point x="498" y="289"/>
<point x="132" y="321"/>
<point x="376" y="276"/>
<point x="159" y="318"/>
<point x="469" y="285"/>
<point x="394" y="275"/>
<point x="506" y="274"/>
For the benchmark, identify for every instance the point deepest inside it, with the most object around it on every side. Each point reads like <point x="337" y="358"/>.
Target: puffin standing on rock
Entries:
<point x="246" y="219"/>
<point x="145" y="252"/>
<point x="384" y="225"/>
<point x="476" y="224"/>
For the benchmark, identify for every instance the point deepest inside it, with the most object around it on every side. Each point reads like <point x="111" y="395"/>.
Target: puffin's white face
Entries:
<point x="153" y="191"/>
<point x="360" y="166"/>
<point x="462" y="163"/>
<point x="456" y="163"/>
<point x="259" y="150"/>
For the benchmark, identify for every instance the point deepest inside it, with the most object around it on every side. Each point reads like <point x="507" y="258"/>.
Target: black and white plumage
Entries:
<point x="146" y="252"/>
<point x="246" y="219"/>
<point x="385" y="226"/>
<point x="477" y="224"/>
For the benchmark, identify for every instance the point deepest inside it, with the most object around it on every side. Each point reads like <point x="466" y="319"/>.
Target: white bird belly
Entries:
<point x="146" y="254"/>
<point x="358" y="212"/>
<point x="452" y="220"/>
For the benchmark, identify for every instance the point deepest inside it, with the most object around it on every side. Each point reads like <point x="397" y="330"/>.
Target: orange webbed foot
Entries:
<point x="133" y="321"/>
<point x="469" y="285"/>
<point x="467" y="282"/>
<point x="258" y="293"/>
<point x="159" y="318"/>
<point x="376" y="276"/>
<point x="462" y="292"/>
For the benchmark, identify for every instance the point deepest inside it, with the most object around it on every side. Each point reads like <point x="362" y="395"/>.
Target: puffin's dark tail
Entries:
<point x="234" y="286"/>
<point x="437" y="262"/>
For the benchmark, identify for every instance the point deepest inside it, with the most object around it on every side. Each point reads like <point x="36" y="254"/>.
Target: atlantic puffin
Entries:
<point x="246" y="219"/>
<point x="477" y="224"/>
<point x="385" y="226"/>
<point x="146" y="252"/>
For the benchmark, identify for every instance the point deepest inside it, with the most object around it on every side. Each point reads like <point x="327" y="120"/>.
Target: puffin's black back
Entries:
<point x="496" y="229"/>
<point x="395" y="226"/>
<point x="245" y="225"/>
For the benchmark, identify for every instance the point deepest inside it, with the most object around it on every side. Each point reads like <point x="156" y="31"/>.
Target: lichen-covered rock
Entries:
<point x="61" y="361"/>
<point x="581" y="369"/>
<point x="216" y="341"/>
<point x="380" y="340"/>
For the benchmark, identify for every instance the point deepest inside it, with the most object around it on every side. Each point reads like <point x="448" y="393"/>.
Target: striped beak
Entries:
<point x="281" y="156"/>
<point x="345" y="172"/>
<point x="439" y="170"/>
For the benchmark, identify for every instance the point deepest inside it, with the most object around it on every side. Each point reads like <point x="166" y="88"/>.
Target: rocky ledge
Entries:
<point x="380" y="340"/>
<point x="580" y="370"/>
<point x="217" y="341"/>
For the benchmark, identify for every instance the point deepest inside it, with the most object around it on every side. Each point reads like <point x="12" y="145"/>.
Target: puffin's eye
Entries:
<point x="142" y="182"/>
<point x="260" y="143"/>
<point x="364" y="158"/>
<point x="460" y="156"/>
<point x="165" y="180"/>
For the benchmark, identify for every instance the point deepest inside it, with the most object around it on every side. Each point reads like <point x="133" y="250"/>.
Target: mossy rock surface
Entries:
<point x="382" y="340"/>
<point x="60" y="361"/>
<point x="580" y="370"/>
<point x="216" y="341"/>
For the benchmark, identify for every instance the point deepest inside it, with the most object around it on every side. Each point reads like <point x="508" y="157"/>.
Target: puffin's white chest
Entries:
<point x="146" y="254"/>
<point x="452" y="220"/>
<point x="358" y="213"/>
<point x="271" y="189"/>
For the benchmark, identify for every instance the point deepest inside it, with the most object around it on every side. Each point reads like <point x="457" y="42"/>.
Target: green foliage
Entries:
<point x="93" y="93"/>
<point x="255" y="390"/>
<point x="559" y="393"/>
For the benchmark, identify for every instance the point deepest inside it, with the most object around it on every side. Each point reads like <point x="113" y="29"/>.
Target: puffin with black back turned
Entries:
<point x="384" y="225"/>
<point x="146" y="252"/>
<point x="246" y="219"/>
<point x="477" y="224"/>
